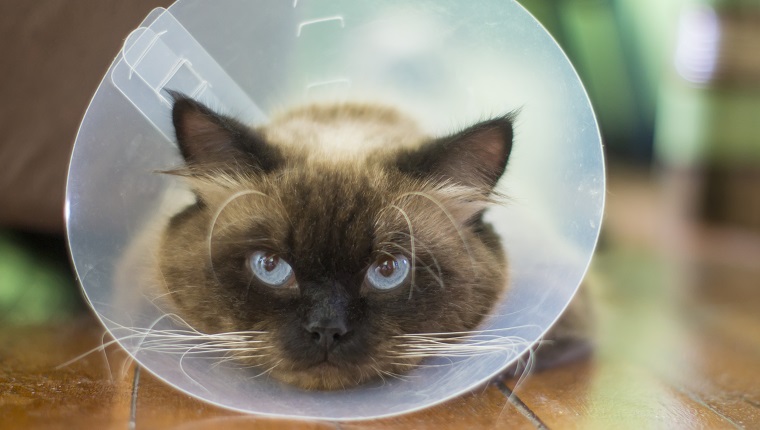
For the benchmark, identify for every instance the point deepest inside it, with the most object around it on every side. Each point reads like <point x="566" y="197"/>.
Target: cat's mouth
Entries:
<point x="326" y="360"/>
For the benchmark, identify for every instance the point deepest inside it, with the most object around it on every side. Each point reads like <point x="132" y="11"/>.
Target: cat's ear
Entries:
<point x="475" y="157"/>
<point x="208" y="139"/>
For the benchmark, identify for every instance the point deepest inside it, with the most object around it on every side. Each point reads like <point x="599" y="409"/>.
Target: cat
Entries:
<point x="334" y="235"/>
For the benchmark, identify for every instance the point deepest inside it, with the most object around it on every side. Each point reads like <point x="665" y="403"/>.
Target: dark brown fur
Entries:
<point x="330" y="215"/>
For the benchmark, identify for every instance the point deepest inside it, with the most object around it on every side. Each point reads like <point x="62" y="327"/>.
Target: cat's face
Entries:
<point x="333" y="262"/>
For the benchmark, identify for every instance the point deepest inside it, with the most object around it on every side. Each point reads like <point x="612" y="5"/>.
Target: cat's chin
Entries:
<point x="325" y="376"/>
<point x="330" y="377"/>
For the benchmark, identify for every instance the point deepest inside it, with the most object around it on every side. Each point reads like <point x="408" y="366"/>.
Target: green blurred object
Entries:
<point x="708" y="125"/>
<point x="711" y="98"/>
<point x="612" y="44"/>
<point x="690" y="66"/>
<point x="36" y="284"/>
<point x="719" y="127"/>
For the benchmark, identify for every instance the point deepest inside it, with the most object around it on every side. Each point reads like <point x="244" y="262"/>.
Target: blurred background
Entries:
<point x="675" y="85"/>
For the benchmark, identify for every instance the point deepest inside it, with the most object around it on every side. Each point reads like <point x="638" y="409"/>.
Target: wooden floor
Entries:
<point x="678" y="347"/>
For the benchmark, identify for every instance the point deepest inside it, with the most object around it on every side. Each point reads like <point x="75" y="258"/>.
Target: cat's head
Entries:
<point x="334" y="258"/>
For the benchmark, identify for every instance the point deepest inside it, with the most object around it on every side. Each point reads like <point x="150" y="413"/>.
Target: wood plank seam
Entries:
<point x="133" y="407"/>
<point x="520" y="406"/>
<point x="697" y="399"/>
<point x="749" y="401"/>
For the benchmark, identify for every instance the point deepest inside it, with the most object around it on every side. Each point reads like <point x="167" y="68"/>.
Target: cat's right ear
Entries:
<point x="207" y="139"/>
<point x="475" y="157"/>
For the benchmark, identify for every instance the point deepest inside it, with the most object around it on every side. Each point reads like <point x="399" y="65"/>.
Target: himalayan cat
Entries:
<point x="332" y="234"/>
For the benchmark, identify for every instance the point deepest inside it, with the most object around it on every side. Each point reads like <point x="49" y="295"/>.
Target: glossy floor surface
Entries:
<point x="678" y="346"/>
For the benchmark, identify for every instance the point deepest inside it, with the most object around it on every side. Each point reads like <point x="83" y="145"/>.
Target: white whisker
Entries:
<point x="456" y="344"/>
<point x="466" y="333"/>
<point x="438" y="277"/>
<point x="267" y="371"/>
<point x="451" y="220"/>
<point x="215" y="218"/>
<point x="182" y="342"/>
<point x="182" y="369"/>
<point x="430" y="251"/>
<point x="411" y="239"/>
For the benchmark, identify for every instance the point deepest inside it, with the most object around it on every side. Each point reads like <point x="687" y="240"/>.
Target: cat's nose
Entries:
<point x="327" y="333"/>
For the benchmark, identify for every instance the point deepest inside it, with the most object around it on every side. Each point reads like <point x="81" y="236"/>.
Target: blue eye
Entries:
<point x="388" y="272"/>
<point x="270" y="269"/>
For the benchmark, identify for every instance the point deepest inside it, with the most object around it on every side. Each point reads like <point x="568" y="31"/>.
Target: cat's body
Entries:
<point x="332" y="235"/>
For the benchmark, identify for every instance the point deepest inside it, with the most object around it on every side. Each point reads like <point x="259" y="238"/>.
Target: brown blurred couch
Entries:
<point x="53" y="55"/>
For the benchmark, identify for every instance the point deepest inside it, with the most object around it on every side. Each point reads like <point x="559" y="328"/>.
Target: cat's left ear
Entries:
<point x="475" y="157"/>
<point x="208" y="139"/>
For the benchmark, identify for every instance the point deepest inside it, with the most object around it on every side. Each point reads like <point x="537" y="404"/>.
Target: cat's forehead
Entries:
<point x="342" y="131"/>
<point x="332" y="214"/>
<point x="318" y="181"/>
